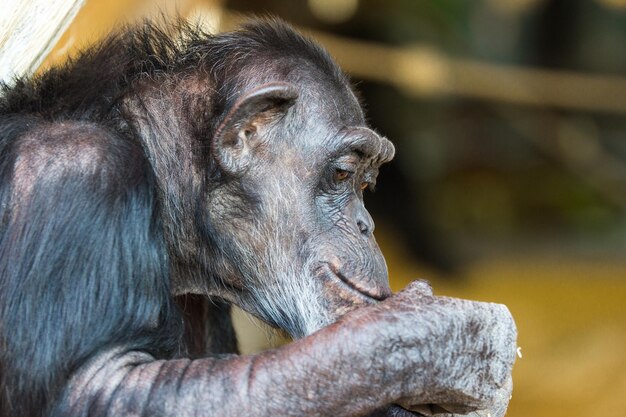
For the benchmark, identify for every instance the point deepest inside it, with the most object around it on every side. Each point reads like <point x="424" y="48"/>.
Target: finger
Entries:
<point x="420" y="287"/>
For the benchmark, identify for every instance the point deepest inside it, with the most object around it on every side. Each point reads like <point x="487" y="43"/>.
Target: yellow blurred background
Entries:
<point x="509" y="185"/>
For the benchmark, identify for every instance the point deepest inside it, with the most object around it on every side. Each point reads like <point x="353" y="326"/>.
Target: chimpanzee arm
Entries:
<point x="411" y="349"/>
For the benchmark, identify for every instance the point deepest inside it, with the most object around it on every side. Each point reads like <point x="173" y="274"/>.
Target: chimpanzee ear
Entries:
<point x="238" y="134"/>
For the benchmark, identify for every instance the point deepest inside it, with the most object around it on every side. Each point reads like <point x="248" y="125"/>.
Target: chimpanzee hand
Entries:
<point x="440" y="355"/>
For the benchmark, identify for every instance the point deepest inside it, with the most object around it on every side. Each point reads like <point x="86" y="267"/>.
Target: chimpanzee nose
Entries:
<point x="364" y="222"/>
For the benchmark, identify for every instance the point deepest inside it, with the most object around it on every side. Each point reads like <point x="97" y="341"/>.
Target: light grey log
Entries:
<point x="29" y="29"/>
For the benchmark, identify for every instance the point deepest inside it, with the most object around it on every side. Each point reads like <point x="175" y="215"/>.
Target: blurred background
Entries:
<point x="509" y="184"/>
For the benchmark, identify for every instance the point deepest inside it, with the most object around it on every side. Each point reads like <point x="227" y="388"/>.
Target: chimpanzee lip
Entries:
<point x="369" y="293"/>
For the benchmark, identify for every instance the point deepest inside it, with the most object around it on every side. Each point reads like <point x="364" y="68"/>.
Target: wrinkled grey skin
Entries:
<point x="414" y="349"/>
<point x="291" y="242"/>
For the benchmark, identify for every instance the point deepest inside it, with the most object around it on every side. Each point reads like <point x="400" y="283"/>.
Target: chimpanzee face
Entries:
<point x="299" y="249"/>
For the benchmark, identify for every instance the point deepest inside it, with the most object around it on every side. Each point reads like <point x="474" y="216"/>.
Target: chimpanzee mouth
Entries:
<point x="331" y="270"/>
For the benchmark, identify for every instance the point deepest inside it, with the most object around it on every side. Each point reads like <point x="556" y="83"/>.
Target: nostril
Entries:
<point x="364" y="222"/>
<point x="364" y="227"/>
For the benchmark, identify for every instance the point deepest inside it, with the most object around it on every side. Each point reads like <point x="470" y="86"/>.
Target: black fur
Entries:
<point x="90" y="86"/>
<point x="83" y="264"/>
<point x="83" y="261"/>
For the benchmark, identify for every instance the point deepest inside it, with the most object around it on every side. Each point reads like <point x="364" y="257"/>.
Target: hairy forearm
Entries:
<point x="303" y="378"/>
<point x="453" y="353"/>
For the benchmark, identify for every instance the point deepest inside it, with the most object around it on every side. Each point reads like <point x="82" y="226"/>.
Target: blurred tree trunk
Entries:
<point x="29" y="29"/>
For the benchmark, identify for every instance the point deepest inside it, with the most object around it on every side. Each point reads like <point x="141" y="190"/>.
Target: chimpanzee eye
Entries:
<point x="364" y="185"/>
<point x="342" y="175"/>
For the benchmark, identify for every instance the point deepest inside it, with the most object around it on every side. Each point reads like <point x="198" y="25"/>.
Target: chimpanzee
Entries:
<point x="156" y="179"/>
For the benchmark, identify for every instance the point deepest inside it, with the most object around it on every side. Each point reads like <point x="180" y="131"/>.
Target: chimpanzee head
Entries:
<point x="292" y="241"/>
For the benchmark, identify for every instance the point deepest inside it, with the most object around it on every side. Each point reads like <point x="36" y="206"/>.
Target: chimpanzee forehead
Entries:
<point x="335" y="120"/>
<point x="326" y="93"/>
